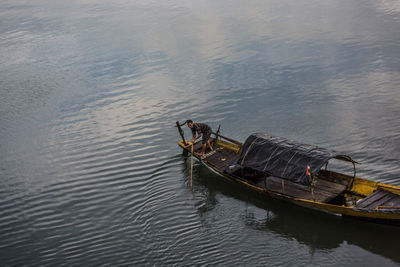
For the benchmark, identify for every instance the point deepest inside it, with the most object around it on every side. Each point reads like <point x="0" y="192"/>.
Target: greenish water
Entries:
<point x="90" y="170"/>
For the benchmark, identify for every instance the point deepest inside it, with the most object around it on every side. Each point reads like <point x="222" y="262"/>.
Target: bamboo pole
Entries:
<point x="191" y="166"/>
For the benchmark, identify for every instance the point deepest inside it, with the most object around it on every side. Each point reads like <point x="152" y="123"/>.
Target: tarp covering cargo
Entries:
<point x="285" y="158"/>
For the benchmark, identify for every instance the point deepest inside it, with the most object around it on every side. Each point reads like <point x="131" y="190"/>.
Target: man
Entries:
<point x="203" y="130"/>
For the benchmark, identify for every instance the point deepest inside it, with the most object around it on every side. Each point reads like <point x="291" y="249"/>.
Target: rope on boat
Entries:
<point x="247" y="152"/>
<point x="245" y="155"/>
<point x="287" y="164"/>
<point x="273" y="152"/>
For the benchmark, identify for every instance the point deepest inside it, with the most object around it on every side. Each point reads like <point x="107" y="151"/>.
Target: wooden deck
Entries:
<point x="382" y="200"/>
<point x="324" y="191"/>
<point x="220" y="158"/>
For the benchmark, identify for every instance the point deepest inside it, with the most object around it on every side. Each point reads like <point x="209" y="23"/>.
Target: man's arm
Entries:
<point x="194" y="131"/>
<point x="194" y="138"/>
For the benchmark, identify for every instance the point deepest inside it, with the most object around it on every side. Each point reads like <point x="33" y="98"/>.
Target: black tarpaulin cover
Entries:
<point x="284" y="158"/>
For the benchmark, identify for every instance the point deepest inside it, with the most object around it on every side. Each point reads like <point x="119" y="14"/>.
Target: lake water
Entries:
<point x="90" y="170"/>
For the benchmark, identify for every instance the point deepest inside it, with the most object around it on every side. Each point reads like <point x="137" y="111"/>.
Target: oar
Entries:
<point x="191" y="167"/>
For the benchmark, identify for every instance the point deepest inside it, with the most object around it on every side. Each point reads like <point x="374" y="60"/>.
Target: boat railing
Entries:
<point x="217" y="135"/>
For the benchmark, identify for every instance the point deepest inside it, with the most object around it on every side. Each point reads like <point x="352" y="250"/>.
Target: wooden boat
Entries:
<point x="298" y="173"/>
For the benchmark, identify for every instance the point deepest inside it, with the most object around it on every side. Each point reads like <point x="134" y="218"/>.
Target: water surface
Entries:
<point x="90" y="91"/>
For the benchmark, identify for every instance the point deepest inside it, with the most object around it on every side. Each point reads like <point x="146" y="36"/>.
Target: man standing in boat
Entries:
<point x="202" y="129"/>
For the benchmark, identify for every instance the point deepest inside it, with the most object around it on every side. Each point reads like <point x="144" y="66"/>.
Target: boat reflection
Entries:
<point x="316" y="230"/>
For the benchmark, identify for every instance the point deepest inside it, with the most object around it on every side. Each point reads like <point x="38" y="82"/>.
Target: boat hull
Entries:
<point x="360" y="187"/>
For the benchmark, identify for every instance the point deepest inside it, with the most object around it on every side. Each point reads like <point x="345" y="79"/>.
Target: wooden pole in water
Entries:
<point x="181" y="133"/>
<point x="191" y="166"/>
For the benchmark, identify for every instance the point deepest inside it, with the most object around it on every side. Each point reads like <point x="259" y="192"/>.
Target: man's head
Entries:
<point x="190" y="123"/>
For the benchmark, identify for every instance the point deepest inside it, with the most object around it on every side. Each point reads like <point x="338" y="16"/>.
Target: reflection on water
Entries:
<point x="318" y="231"/>
<point x="90" y="92"/>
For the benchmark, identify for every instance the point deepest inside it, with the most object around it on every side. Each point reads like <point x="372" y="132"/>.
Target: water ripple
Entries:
<point x="90" y="171"/>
